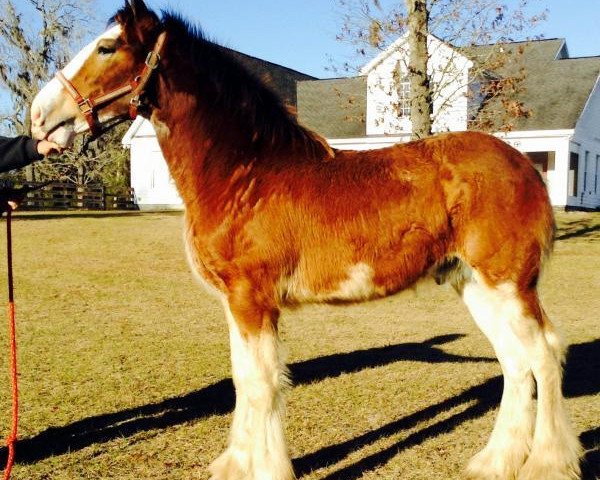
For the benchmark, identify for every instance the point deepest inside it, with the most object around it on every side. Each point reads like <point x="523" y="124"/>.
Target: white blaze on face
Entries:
<point x="53" y="106"/>
<point x="78" y="60"/>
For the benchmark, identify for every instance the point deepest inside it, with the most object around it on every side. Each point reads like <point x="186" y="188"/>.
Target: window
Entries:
<point x="573" y="174"/>
<point x="596" y="175"/>
<point x="585" y="170"/>
<point x="404" y="97"/>
<point x="540" y="162"/>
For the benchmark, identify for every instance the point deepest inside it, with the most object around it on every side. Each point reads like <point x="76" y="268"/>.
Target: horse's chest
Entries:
<point x="203" y="264"/>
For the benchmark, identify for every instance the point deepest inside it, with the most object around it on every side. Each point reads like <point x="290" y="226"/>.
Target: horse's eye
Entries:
<point x="104" y="50"/>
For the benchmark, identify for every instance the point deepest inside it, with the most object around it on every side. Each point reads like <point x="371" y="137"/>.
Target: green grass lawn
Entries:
<point x="124" y="361"/>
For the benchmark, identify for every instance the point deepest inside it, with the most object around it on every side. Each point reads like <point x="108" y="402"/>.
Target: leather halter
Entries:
<point x="88" y="106"/>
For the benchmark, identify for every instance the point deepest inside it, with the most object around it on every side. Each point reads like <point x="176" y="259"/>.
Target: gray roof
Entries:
<point x="335" y="108"/>
<point x="555" y="90"/>
<point x="556" y="87"/>
<point x="534" y="52"/>
<point x="558" y="94"/>
<point x="282" y="80"/>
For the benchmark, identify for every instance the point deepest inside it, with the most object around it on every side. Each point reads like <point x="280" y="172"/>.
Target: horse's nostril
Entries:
<point x="36" y="117"/>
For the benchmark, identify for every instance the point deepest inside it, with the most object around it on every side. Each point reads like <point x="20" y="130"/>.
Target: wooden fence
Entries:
<point x="68" y="196"/>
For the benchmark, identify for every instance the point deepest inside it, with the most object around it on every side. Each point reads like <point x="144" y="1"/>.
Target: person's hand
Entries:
<point x="45" y="147"/>
<point x="10" y="198"/>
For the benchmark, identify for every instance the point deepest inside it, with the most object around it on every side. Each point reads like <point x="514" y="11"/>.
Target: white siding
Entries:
<point x="557" y="141"/>
<point x="587" y="139"/>
<point x="368" y="143"/>
<point x="153" y="186"/>
<point x="382" y="97"/>
<point x="450" y="82"/>
<point x="449" y="72"/>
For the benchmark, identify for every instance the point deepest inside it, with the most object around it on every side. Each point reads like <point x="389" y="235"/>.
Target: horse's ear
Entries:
<point x="138" y="21"/>
<point x="139" y="8"/>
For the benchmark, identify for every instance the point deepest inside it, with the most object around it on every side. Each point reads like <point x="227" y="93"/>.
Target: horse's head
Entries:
<point x="103" y="81"/>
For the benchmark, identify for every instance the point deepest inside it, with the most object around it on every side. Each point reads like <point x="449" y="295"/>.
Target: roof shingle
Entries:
<point x="555" y="90"/>
<point x="335" y="108"/>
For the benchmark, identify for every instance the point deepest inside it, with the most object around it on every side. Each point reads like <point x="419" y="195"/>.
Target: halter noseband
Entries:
<point x="89" y="106"/>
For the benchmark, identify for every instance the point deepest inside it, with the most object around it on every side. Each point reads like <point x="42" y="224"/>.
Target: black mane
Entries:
<point x="235" y="96"/>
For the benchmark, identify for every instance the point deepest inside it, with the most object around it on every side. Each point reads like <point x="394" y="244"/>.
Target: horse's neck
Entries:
<point x="185" y="152"/>
<point x="186" y="115"/>
<point x="199" y="163"/>
<point x="204" y="144"/>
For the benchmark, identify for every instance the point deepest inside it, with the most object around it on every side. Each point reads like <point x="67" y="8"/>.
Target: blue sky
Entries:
<point x="300" y="34"/>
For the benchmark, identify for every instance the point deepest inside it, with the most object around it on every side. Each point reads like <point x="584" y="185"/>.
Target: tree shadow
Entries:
<point x="219" y="399"/>
<point x="581" y="379"/>
<point x="576" y="229"/>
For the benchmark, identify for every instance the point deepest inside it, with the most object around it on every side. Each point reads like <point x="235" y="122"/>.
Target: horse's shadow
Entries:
<point x="581" y="379"/>
<point x="216" y="399"/>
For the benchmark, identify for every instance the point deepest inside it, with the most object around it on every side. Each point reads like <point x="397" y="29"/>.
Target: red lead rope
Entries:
<point x="12" y="439"/>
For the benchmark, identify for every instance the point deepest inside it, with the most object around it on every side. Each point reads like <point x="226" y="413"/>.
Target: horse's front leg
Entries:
<point x="257" y="448"/>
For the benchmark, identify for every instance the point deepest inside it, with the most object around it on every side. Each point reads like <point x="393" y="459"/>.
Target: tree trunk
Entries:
<point x="421" y="104"/>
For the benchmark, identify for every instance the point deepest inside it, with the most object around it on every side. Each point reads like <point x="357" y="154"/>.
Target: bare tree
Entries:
<point x="421" y="104"/>
<point x="35" y="42"/>
<point x="37" y="37"/>
<point x="102" y="161"/>
<point x="497" y="74"/>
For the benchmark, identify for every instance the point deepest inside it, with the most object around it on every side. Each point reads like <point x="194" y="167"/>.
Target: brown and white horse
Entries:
<point x="274" y="217"/>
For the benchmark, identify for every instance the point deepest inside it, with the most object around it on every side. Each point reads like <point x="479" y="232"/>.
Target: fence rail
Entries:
<point x="68" y="196"/>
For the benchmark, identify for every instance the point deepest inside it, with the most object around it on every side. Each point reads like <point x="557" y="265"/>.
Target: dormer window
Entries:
<point x="404" y="96"/>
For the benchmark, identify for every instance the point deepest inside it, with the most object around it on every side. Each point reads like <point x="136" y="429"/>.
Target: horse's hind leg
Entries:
<point x="257" y="448"/>
<point x="556" y="450"/>
<point x="494" y="310"/>
<point x="525" y="343"/>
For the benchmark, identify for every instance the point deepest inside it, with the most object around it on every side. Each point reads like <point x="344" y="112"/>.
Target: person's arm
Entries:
<point x="17" y="152"/>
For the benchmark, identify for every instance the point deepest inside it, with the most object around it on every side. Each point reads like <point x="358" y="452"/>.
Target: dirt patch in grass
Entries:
<point x="124" y="362"/>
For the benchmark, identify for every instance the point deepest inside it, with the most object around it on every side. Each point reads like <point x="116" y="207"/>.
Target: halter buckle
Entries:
<point x="134" y="104"/>
<point x="152" y="60"/>
<point x="135" y="101"/>
<point x="86" y="106"/>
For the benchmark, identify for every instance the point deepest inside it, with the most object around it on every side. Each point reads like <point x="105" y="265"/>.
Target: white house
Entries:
<point x="388" y="102"/>
<point x="562" y="134"/>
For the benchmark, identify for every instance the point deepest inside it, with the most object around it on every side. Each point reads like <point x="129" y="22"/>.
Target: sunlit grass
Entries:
<point x="124" y="361"/>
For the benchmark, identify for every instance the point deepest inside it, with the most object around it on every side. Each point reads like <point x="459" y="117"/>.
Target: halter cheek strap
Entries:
<point x="88" y="106"/>
<point x="150" y="65"/>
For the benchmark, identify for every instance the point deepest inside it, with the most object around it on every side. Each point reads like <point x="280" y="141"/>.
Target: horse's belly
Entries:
<point x="327" y="275"/>
<point x="356" y="284"/>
